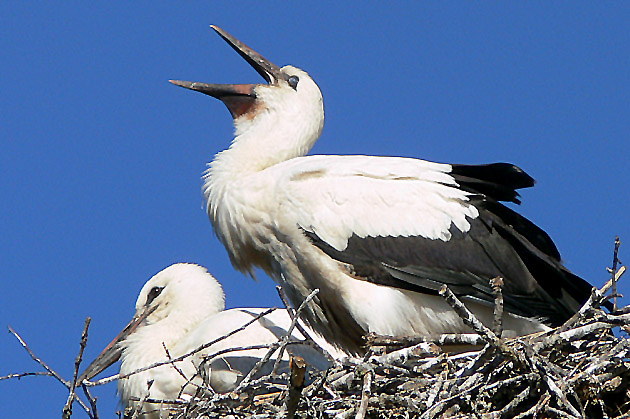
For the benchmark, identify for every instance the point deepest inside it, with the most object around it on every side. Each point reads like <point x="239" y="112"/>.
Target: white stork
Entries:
<point x="178" y="310"/>
<point x="378" y="236"/>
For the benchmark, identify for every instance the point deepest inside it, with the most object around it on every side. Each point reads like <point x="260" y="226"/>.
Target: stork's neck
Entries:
<point x="260" y="144"/>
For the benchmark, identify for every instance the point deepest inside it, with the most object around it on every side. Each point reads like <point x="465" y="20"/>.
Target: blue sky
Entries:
<point x="101" y="157"/>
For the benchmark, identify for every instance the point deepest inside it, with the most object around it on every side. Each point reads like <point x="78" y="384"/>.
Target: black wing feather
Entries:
<point x="500" y="242"/>
<point x="498" y="182"/>
<point x="505" y="175"/>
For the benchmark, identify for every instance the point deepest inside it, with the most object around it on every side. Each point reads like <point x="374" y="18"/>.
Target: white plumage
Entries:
<point x="180" y="309"/>
<point x="377" y="235"/>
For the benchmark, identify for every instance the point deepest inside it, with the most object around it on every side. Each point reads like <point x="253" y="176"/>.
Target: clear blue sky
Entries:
<point x="101" y="157"/>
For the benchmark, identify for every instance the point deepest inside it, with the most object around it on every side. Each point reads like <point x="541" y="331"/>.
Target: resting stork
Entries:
<point x="179" y="310"/>
<point x="378" y="236"/>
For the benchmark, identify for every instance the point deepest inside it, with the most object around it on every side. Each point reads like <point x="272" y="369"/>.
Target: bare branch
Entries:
<point x="472" y="339"/>
<point x="25" y="374"/>
<point x="67" y="409"/>
<point x="614" y="271"/>
<point x="595" y="300"/>
<point x="497" y="288"/>
<point x="301" y="328"/>
<point x="294" y="322"/>
<point x="470" y="320"/>
<point x="513" y="404"/>
<point x="177" y="369"/>
<point x="365" y="394"/>
<point x="51" y="372"/>
<point x="91" y="400"/>
<point x="39" y="360"/>
<point x="296" y="384"/>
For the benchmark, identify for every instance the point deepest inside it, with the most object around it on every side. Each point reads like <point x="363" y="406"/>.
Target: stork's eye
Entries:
<point x="155" y="291"/>
<point x="293" y="81"/>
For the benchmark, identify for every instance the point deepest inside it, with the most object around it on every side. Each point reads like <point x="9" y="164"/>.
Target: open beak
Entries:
<point x="113" y="351"/>
<point x="239" y="98"/>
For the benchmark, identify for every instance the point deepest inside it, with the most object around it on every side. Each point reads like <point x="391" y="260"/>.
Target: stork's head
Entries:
<point x="170" y="303"/>
<point x="285" y="116"/>
<point x="180" y="290"/>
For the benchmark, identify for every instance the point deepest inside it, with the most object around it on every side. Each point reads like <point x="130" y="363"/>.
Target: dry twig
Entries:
<point x="497" y="288"/>
<point x="47" y="368"/>
<point x="67" y="409"/>
<point x="296" y="384"/>
<point x="614" y="271"/>
<point x="365" y="394"/>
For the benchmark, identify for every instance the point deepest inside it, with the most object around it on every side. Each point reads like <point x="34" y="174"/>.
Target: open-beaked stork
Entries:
<point x="378" y="236"/>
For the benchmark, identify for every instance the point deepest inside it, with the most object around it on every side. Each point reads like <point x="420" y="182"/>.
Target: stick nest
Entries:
<point x="569" y="374"/>
<point x="579" y="370"/>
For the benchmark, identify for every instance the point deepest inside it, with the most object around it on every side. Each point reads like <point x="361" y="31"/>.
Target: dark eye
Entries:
<point x="155" y="291"/>
<point x="293" y="81"/>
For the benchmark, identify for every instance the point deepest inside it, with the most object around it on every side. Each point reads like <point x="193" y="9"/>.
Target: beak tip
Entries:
<point x="218" y="30"/>
<point x="185" y="84"/>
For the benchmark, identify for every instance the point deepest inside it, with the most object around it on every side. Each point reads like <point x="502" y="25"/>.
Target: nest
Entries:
<point x="578" y="370"/>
